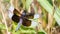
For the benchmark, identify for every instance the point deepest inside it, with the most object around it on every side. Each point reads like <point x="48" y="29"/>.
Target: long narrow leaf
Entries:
<point x="46" y="5"/>
<point x="28" y="2"/>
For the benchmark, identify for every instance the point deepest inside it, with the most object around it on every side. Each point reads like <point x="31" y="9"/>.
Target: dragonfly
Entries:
<point x="20" y="18"/>
<point x="23" y="18"/>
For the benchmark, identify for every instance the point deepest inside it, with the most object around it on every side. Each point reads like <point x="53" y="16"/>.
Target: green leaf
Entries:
<point x="41" y="33"/>
<point x="0" y="16"/>
<point x="2" y="26"/>
<point x="24" y="2"/>
<point x="49" y="8"/>
<point x="7" y="1"/>
<point x="45" y="4"/>
<point x="28" y="2"/>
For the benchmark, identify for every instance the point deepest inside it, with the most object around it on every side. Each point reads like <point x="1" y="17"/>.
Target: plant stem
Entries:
<point x="1" y="9"/>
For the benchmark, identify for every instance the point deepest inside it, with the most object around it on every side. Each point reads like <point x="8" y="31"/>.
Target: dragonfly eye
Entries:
<point x="24" y="13"/>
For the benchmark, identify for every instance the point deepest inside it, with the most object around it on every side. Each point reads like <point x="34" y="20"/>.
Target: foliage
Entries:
<point x="49" y="16"/>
